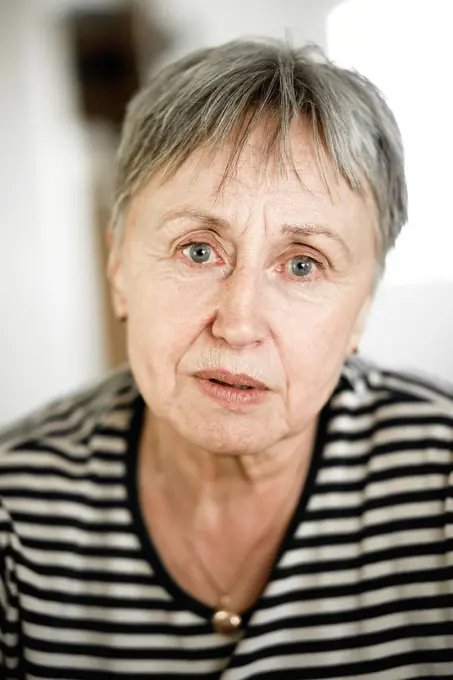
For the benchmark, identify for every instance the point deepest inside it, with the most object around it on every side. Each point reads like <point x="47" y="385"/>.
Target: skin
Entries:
<point x="225" y="475"/>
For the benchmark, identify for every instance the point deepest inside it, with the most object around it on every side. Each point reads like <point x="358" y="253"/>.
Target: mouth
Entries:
<point x="238" y="387"/>
<point x="235" y="392"/>
<point x="240" y="381"/>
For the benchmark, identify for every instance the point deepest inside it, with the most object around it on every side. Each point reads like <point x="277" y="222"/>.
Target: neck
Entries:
<point x="196" y="479"/>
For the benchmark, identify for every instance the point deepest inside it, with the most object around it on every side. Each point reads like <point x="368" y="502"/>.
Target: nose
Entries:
<point x="239" y="318"/>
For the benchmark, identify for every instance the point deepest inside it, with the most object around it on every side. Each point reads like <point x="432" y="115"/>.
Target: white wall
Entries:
<point x="200" y="23"/>
<point x="19" y="336"/>
<point x="406" y="50"/>
<point x="51" y="332"/>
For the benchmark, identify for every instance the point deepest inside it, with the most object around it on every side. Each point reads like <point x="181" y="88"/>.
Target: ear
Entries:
<point x="359" y="326"/>
<point x="115" y="274"/>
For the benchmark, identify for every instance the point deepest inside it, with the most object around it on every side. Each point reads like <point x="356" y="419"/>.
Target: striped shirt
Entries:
<point x="362" y="586"/>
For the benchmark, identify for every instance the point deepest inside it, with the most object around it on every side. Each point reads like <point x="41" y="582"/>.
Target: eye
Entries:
<point x="199" y="253"/>
<point x="302" y="266"/>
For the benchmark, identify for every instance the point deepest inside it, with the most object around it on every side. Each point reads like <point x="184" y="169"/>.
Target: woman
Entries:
<point x="244" y="501"/>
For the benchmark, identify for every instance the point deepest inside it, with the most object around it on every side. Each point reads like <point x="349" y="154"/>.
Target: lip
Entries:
<point x="234" y="380"/>
<point x="230" y="396"/>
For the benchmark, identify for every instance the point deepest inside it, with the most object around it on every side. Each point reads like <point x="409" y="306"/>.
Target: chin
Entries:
<point x="233" y="438"/>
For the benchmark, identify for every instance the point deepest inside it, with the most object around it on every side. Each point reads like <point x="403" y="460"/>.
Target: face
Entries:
<point x="270" y="278"/>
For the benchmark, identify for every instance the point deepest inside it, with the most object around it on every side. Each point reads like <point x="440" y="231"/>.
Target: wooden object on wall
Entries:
<point x="105" y="62"/>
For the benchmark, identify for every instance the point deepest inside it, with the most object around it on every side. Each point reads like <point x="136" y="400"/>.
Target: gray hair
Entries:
<point x="219" y="95"/>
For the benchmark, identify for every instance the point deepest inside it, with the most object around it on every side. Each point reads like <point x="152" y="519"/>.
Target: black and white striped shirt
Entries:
<point x="362" y="588"/>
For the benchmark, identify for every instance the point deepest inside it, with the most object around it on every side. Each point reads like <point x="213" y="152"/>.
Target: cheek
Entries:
<point x="315" y="325"/>
<point x="165" y="318"/>
<point x="313" y="339"/>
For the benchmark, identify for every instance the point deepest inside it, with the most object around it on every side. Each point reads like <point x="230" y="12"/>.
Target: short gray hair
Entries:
<point x="222" y="93"/>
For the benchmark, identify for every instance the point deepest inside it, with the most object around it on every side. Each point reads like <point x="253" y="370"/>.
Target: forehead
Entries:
<point x="302" y="186"/>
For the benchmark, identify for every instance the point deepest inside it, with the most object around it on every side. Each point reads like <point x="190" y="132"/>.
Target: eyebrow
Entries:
<point x="304" y="230"/>
<point x="203" y="217"/>
<point x="307" y="230"/>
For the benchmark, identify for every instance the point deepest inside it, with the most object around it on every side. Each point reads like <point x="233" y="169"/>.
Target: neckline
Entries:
<point x="180" y="597"/>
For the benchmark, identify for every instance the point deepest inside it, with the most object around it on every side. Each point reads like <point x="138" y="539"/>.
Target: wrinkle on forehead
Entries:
<point x="255" y="171"/>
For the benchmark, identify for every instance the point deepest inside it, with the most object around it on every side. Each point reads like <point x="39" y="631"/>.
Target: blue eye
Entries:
<point x="200" y="252"/>
<point x="301" y="266"/>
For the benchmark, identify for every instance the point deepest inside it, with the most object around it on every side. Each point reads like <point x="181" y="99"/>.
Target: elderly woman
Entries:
<point x="244" y="501"/>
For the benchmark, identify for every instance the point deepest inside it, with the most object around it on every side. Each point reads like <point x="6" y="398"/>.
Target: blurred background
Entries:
<point x="67" y="69"/>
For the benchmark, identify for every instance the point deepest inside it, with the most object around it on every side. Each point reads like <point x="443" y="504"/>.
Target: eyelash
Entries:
<point x="319" y="265"/>
<point x="197" y="242"/>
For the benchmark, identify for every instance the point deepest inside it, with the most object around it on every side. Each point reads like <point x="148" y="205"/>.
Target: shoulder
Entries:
<point x="62" y="468"/>
<point x="66" y="426"/>
<point x="393" y="411"/>
<point x="366" y="386"/>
